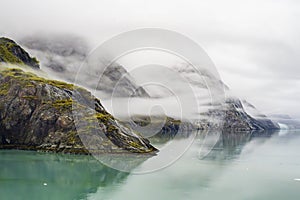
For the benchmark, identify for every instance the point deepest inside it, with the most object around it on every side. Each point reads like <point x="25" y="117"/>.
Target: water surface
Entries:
<point x="240" y="166"/>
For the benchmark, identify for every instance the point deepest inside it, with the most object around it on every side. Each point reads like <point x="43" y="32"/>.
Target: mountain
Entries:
<point x="234" y="114"/>
<point x="238" y="118"/>
<point x="160" y="128"/>
<point x="62" y="55"/>
<point x="49" y="115"/>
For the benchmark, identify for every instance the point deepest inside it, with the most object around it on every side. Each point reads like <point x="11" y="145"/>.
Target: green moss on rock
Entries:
<point x="27" y="78"/>
<point x="40" y="112"/>
<point x="4" y="88"/>
<point x="63" y="103"/>
<point x="7" y="56"/>
<point x="11" y="52"/>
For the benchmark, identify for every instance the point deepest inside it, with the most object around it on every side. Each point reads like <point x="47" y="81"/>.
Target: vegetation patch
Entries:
<point x="11" y="52"/>
<point x="103" y="116"/>
<point x="8" y="57"/>
<point x="29" y="78"/>
<point x="4" y="89"/>
<point x="63" y="103"/>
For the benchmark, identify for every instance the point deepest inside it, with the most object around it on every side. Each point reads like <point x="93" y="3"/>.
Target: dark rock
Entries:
<point x="236" y="118"/>
<point x="160" y="129"/>
<point x="49" y="115"/>
<point x="39" y="114"/>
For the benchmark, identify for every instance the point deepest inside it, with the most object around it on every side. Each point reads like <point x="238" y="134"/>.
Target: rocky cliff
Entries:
<point x="234" y="114"/>
<point x="236" y="118"/>
<point x="40" y="114"/>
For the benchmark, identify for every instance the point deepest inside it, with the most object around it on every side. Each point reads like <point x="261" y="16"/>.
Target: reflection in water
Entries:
<point x="247" y="165"/>
<point x="123" y="162"/>
<point x="31" y="175"/>
<point x="228" y="144"/>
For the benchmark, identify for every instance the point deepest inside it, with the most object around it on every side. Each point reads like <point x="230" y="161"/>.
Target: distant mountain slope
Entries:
<point x="237" y="115"/>
<point x="234" y="115"/>
<point x="62" y="56"/>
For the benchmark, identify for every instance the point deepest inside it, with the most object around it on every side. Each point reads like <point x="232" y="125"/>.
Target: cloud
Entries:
<point x="254" y="44"/>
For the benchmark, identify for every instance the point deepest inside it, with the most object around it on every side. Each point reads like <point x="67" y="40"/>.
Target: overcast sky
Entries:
<point x="254" y="44"/>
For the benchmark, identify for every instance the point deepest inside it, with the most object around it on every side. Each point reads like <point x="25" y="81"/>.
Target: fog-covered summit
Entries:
<point x="61" y="56"/>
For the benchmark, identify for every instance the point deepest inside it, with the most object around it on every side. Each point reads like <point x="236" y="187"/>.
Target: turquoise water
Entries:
<point x="240" y="166"/>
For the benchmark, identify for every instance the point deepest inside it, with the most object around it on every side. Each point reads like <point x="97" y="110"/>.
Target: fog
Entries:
<point x="254" y="44"/>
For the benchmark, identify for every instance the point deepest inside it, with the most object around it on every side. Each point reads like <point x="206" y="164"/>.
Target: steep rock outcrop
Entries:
<point x="233" y="114"/>
<point x="237" y="118"/>
<point x="48" y="115"/>
<point x="38" y="114"/>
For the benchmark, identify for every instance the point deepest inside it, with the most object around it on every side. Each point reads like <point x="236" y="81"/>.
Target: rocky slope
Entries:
<point x="237" y="118"/>
<point x="233" y="113"/>
<point x="13" y="53"/>
<point x="47" y="115"/>
<point x="234" y="117"/>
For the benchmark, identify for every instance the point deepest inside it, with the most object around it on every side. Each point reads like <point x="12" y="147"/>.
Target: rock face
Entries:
<point x="39" y="114"/>
<point x="49" y="115"/>
<point x="236" y="118"/>
<point x="10" y="52"/>
<point x="233" y="113"/>
<point x="62" y="56"/>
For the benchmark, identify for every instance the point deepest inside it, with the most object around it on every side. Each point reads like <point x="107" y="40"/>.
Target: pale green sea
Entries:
<point x="240" y="167"/>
